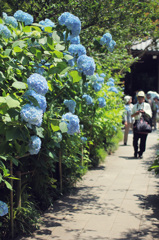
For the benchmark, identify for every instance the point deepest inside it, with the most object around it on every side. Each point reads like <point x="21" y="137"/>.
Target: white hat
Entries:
<point x="141" y="94"/>
<point x="127" y="98"/>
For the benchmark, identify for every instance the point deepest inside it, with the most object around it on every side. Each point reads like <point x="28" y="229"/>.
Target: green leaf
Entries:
<point x="59" y="47"/>
<point x="2" y="100"/>
<point x="75" y="76"/>
<point x="2" y="77"/>
<point x="55" y="128"/>
<point x="17" y="49"/>
<point x="11" y="102"/>
<point x="39" y="132"/>
<point x="68" y="57"/>
<point x="19" y="85"/>
<point x="58" y="54"/>
<point x="12" y="133"/>
<point x="15" y="161"/>
<point x="56" y="37"/>
<point x="63" y="127"/>
<point x="8" y="185"/>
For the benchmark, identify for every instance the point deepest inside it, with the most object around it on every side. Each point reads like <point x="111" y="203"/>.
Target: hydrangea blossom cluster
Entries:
<point x="24" y="17"/>
<point x="86" y="65"/>
<point x="4" y="31"/>
<point x="111" y="80"/>
<point x="3" y="209"/>
<point x="97" y="87"/>
<point x="32" y="115"/>
<point x="110" y="84"/>
<point x="40" y="99"/>
<point x="106" y="39"/>
<point x="84" y="139"/>
<point x="72" y="122"/>
<point x="37" y="83"/>
<point x="102" y="75"/>
<point x="88" y="99"/>
<point x="113" y="89"/>
<point x="71" y="104"/>
<point x="72" y="39"/>
<point x="71" y="22"/>
<point x="102" y="102"/>
<point x="46" y="23"/>
<point x="34" y="145"/>
<point x="77" y="49"/>
<point x="10" y="20"/>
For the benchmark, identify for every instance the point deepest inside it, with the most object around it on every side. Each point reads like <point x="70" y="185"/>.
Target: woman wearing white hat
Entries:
<point x="141" y="107"/>
<point x="127" y="117"/>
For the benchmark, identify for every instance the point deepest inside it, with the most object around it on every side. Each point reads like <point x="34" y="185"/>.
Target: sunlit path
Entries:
<point x="118" y="200"/>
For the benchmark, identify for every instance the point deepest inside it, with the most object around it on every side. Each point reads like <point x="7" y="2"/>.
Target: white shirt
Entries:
<point x="144" y="106"/>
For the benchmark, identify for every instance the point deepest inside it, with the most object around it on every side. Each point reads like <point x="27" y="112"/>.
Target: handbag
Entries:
<point x="143" y="125"/>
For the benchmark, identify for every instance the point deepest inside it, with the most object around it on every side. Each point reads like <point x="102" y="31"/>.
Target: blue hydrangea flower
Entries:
<point x="111" y="80"/>
<point x="97" y="87"/>
<point x="10" y="20"/>
<point x="24" y="17"/>
<point x="110" y="84"/>
<point x="103" y="75"/>
<point x="37" y="83"/>
<point x="111" y="46"/>
<point x="34" y="145"/>
<point x="100" y="80"/>
<point x="72" y="39"/>
<point x="77" y="49"/>
<point x="113" y="89"/>
<point x="40" y="99"/>
<point x="63" y="17"/>
<point x="4" y="31"/>
<point x="46" y="23"/>
<point x="71" y="22"/>
<point x="88" y="99"/>
<point x="58" y="136"/>
<point x="105" y="39"/>
<point x="86" y="65"/>
<point x="84" y="139"/>
<point x="71" y="104"/>
<point x="72" y="122"/>
<point x="3" y="209"/>
<point x="32" y="115"/>
<point x="102" y="102"/>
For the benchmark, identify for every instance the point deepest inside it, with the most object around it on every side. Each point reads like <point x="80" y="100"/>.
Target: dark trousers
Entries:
<point x="142" y="145"/>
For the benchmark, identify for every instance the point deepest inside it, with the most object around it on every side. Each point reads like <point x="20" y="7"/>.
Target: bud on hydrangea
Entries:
<point x="86" y="65"/>
<point x="88" y="99"/>
<point x="3" y="209"/>
<point x="10" y="20"/>
<point x="113" y="89"/>
<point x="71" y="104"/>
<point x="72" y="122"/>
<point x="37" y="83"/>
<point x="97" y="87"/>
<point x="102" y="102"/>
<point x="34" y="145"/>
<point x="40" y="99"/>
<point x="32" y="115"/>
<point x="23" y="17"/>
<point x="4" y="31"/>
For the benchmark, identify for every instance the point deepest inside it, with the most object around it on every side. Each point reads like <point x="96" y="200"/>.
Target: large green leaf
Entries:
<point x="11" y="102"/>
<point x="75" y="76"/>
<point x="19" y="85"/>
<point x="55" y="128"/>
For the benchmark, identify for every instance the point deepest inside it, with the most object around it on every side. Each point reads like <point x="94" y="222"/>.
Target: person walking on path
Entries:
<point x="127" y="117"/>
<point x="141" y="107"/>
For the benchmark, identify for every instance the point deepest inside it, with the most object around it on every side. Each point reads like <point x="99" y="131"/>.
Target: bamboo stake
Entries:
<point x="82" y="155"/>
<point x="11" y="201"/>
<point x="60" y="170"/>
